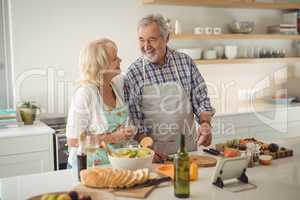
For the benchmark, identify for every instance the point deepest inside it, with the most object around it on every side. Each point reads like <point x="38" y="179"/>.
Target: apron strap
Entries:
<point x="144" y="70"/>
<point x="178" y="77"/>
<point x="177" y="73"/>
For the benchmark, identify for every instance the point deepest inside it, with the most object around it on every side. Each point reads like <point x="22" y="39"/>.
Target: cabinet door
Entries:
<point x="26" y="154"/>
<point x="21" y="164"/>
<point x="24" y="144"/>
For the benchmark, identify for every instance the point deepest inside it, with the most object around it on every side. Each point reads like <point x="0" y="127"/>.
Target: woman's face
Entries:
<point x="114" y="60"/>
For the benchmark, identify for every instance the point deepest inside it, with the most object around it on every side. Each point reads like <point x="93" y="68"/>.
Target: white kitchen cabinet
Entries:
<point x="25" y="153"/>
<point x="26" y="163"/>
<point x="265" y="125"/>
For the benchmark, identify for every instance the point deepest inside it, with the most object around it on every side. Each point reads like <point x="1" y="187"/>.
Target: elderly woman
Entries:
<point x="98" y="106"/>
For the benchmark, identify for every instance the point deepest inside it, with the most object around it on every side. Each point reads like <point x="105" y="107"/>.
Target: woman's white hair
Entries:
<point x="94" y="59"/>
<point x="161" y="21"/>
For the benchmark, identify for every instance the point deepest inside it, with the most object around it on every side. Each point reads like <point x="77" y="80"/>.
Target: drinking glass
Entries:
<point x="131" y="142"/>
<point x="91" y="147"/>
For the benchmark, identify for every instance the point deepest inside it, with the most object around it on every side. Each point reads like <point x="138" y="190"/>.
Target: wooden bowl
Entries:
<point x="99" y="195"/>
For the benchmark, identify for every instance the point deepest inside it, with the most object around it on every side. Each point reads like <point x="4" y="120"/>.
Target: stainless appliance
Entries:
<point x="293" y="88"/>
<point x="60" y="148"/>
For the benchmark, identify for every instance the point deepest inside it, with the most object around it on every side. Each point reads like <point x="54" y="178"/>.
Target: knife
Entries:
<point x="149" y="182"/>
<point x="212" y="151"/>
<point x="153" y="182"/>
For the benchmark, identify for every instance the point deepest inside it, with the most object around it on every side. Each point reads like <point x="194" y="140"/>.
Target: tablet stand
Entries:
<point x="243" y="178"/>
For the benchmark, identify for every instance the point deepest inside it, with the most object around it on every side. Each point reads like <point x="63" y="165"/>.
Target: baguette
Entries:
<point x="113" y="178"/>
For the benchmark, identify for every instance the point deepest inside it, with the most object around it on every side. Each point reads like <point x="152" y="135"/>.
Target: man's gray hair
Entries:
<point x="161" y="21"/>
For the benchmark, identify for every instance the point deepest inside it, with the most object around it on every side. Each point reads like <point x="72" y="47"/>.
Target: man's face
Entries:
<point x="152" y="44"/>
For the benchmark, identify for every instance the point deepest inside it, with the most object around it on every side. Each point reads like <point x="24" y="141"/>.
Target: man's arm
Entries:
<point x="200" y="101"/>
<point x="201" y="107"/>
<point x="205" y="117"/>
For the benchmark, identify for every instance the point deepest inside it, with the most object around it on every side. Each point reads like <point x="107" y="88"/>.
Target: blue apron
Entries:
<point x="114" y="118"/>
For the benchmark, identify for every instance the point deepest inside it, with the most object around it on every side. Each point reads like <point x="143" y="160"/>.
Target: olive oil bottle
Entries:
<point x="181" y="171"/>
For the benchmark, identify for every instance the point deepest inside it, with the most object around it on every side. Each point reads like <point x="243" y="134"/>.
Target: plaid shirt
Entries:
<point x="191" y="79"/>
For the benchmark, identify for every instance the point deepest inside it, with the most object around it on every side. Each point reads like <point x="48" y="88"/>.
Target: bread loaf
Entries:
<point x="113" y="178"/>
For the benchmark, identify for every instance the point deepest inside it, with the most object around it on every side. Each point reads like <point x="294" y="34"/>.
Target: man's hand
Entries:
<point x="159" y="157"/>
<point x="204" y="135"/>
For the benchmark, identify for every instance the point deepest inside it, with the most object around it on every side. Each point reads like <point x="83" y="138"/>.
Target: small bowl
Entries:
<point x="194" y="53"/>
<point x="244" y="27"/>
<point x="265" y="159"/>
<point x="134" y="163"/>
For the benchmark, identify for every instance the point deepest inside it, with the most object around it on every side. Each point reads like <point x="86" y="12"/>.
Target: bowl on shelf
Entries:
<point x="244" y="27"/>
<point x="194" y="53"/>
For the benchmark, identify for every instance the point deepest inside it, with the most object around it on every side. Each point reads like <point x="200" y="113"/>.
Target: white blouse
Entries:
<point x="86" y="112"/>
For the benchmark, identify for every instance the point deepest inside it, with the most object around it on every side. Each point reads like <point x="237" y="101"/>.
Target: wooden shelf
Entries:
<point x="235" y="37"/>
<point x="226" y="4"/>
<point x="247" y="60"/>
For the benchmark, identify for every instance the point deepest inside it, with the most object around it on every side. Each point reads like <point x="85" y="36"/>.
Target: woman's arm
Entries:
<point x="72" y="142"/>
<point x="78" y="116"/>
<point x="116" y="136"/>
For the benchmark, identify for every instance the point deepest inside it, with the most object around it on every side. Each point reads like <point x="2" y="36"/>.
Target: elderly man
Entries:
<point x="165" y="90"/>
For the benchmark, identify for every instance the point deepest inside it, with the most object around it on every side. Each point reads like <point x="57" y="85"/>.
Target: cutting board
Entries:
<point x="203" y="161"/>
<point x="132" y="193"/>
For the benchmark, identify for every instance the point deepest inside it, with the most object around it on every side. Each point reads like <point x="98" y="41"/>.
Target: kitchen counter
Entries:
<point x="279" y="181"/>
<point x="38" y="128"/>
<point x="237" y="108"/>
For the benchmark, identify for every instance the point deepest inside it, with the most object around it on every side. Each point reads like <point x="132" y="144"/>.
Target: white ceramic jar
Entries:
<point x="210" y="54"/>
<point x="230" y="51"/>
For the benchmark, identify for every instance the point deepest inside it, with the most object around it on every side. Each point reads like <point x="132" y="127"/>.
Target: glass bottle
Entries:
<point x="81" y="154"/>
<point x="81" y="163"/>
<point x="181" y="171"/>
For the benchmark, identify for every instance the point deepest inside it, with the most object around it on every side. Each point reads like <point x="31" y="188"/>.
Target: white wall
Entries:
<point x="47" y="36"/>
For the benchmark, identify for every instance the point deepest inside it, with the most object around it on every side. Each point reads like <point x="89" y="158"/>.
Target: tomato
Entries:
<point x="230" y="152"/>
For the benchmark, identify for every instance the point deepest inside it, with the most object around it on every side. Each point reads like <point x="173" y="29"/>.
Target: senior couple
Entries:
<point x="163" y="94"/>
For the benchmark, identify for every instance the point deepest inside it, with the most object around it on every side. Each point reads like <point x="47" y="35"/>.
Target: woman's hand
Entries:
<point x="123" y="133"/>
<point x="120" y="134"/>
